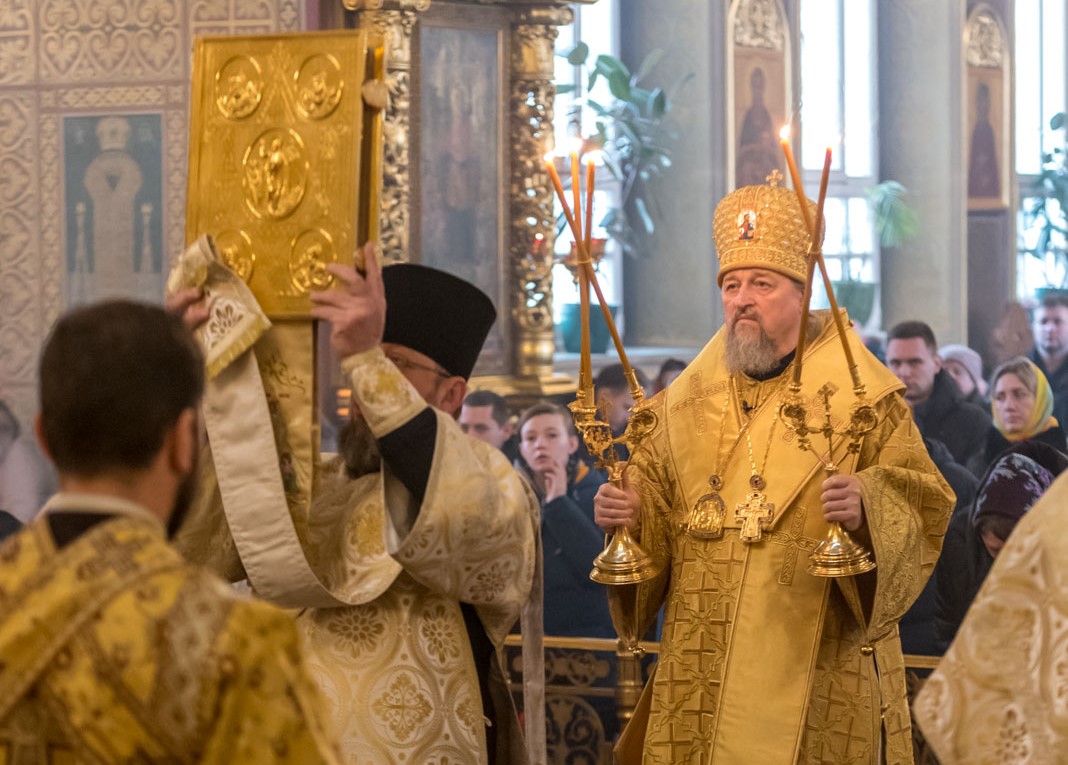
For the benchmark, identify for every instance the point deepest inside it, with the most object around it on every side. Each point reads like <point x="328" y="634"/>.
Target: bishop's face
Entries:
<point x="762" y="310"/>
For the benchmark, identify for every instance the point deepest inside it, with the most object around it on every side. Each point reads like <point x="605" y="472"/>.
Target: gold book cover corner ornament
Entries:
<point x="285" y="157"/>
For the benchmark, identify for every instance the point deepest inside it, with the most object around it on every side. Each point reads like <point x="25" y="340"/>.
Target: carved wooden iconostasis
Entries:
<point x="464" y="188"/>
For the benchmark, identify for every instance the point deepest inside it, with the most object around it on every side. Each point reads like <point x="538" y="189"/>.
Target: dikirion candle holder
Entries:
<point x="838" y="554"/>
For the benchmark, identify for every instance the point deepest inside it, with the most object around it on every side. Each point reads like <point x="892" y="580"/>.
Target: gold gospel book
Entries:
<point x="285" y="157"/>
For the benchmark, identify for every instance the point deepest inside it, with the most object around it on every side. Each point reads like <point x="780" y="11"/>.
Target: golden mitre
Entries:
<point x="762" y="227"/>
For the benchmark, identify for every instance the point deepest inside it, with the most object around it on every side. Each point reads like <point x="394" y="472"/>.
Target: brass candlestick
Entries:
<point x="838" y="554"/>
<point x="623" y="561"/>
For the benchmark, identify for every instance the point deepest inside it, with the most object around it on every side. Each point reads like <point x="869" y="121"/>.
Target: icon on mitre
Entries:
<point x="746" y="224"/>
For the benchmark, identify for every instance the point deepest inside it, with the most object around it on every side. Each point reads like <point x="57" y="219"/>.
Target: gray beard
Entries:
<point x="751" y="355"/>
<point x="358" y="448"/>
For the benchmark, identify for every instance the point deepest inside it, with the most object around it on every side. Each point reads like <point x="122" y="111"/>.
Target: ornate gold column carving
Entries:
<point x="530" y="91"/>
<point x="531" y="241"/>
<point x="395" y="20"/>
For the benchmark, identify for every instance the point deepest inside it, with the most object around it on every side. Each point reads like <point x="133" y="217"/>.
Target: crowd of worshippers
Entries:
<point x="121" y="391"/>
<point x="997" y="434"/>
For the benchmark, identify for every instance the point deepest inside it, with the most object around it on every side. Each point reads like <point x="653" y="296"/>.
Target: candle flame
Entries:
<point x="549" y="157"/>
<point x="576" y="144"/>
<point x="595" y="157"/>
<point x="784" y="134"/>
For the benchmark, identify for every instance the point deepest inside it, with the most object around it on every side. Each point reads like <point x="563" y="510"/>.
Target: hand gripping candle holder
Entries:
<point x="838" y="554"/>
<point x="623" y="561"/>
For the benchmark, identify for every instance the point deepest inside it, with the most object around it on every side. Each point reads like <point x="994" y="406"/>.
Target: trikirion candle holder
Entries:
<point x="623" y="561"/>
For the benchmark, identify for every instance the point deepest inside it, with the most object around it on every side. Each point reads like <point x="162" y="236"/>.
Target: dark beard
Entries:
<point x="754" y="356"/>
<point x="183" y="500"/>
<point x="183" y="496"/>
<point x="358" y="448"/>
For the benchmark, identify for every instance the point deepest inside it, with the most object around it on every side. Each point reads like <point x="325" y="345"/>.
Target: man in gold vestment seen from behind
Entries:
<point x="113" y="649"/>
<point x="762" y="662"/>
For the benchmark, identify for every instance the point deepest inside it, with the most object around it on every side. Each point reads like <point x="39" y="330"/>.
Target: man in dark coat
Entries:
<point x="1051" y="351"/>
<point x="938" y="407"/>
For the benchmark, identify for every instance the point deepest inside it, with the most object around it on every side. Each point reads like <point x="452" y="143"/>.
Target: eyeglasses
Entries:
<point x="404" y="365"/>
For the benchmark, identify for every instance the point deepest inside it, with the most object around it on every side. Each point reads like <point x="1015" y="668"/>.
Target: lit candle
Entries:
<point x="589" y="204"/>
<point x="586" y="363"/>
<point x="584" y="260"/>
<point x="795" y="176"/>
<point x="550" y="166"/>
<point x="576" y="190"/>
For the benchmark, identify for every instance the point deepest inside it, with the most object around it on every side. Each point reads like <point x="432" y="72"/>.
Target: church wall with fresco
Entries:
<point x="93" y="145"/>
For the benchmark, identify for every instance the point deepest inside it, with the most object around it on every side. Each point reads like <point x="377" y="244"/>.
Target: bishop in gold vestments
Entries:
<point x="760" y="661"/>
<point x="408" y="576"/>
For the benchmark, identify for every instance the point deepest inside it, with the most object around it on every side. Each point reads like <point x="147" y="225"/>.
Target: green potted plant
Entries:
<point x="629" y="132"/>
<point x="1050" y="221"/>
<point x="895" y="223"/>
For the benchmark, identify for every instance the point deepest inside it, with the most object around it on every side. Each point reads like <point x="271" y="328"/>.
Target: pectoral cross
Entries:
<point x="756" y="513"/>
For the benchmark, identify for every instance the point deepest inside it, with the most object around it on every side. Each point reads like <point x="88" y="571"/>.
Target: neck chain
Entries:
<point x="756" y="512"/>
<point x="757" y="478"/>
<point x="706" y="519"/>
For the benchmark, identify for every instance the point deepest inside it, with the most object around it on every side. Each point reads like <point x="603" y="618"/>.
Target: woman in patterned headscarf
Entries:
<point x="1022" y="405"/>
<point x="1008" y="490"/>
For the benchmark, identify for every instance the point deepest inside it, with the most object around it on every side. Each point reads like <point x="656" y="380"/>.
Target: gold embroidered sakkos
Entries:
<point x="740" y="616"/>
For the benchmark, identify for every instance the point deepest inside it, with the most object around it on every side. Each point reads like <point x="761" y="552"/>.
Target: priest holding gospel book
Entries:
<point x="761" y="660"/>
<point x="409" y="554"/>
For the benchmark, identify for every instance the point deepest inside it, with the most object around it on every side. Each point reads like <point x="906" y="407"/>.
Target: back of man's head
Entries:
<point x="114" y="378"/>
<point x="908" y="330"/>
<point x="613" y="378"/>
<point x="480" y="398"/>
